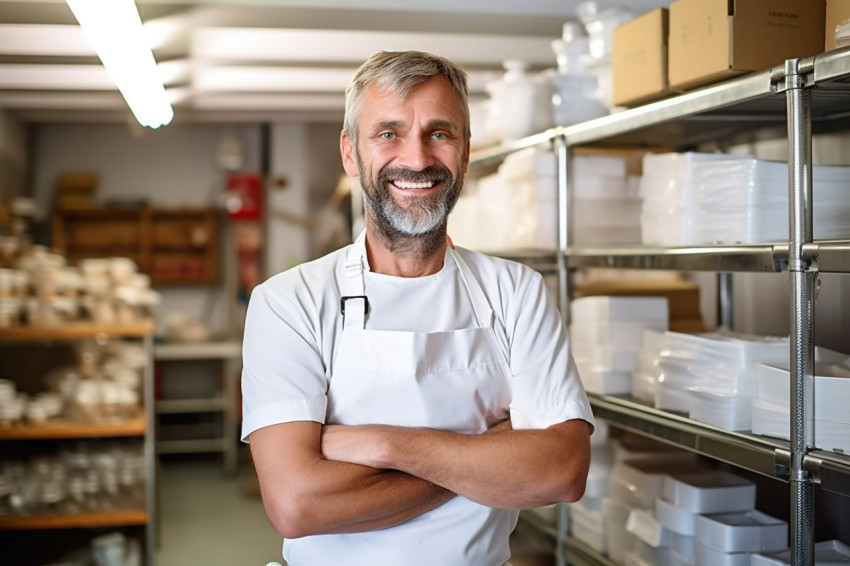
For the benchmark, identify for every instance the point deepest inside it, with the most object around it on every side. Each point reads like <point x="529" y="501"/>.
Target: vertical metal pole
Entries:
<point x="564" y="225"/>
<point x="149" y="455"/>
<point x="802" y="312"/>
<point x="564" y="238"/>
<point x="725" y="303"/>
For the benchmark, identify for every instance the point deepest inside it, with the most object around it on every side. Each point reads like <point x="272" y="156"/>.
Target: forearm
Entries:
<point x="512" y="469"/>
<point x="312" y="495"/>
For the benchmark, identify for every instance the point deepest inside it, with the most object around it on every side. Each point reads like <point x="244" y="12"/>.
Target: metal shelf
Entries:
<point x="495" y="154"/>
<point x="200" y="405"/>
<point x="749" y="258"/>
<point x="749" y="451"/>
<point x="725" y="111"/>
<point x="198" y="350"/>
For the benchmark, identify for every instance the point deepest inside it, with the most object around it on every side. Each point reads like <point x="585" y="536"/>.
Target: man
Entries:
<point x="403" y="399"/>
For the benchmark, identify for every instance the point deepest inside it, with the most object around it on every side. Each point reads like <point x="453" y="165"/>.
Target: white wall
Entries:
<point x="173" y="166"/>
<point x="13" y="163"/>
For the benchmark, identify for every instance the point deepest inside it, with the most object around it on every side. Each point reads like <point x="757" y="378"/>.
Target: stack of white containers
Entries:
<point x="711" y="376"/>
<point x="586" y="521"/>
<point x="702" y="198"/>
<point x="645" y="377"/>
<point x="606" y="334"/>
<point x="635" y="485"/>
<point x="514" y="208"/>
<point x="706" y="518"/>
<point x="606" y="206"/>
<point x="667" y="190"/>
<point x="826" y="552"/>
<point x="772" y="405"/>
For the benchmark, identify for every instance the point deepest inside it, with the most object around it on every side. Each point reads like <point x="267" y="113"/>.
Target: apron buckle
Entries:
<point x="342" y="301"/>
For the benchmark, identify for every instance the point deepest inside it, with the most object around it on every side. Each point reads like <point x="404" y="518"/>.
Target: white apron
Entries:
<point x="457" y="380"/>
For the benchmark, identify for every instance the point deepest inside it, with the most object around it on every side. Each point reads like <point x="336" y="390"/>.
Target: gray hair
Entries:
<point x="400" y="71"/>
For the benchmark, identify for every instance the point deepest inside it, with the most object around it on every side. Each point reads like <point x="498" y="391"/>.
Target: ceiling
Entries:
<point x="264" y="60"/>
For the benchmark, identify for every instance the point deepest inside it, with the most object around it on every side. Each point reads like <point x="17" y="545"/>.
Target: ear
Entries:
<point x="349" y="159"/>
<point x="466" y="151"/>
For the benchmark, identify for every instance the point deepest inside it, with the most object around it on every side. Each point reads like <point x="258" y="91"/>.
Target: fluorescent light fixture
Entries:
<point x="114" y="29"/>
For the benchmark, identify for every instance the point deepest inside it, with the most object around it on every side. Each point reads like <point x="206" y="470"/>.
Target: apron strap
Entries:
<point x="483" y="311"/>
<point x="353" y="304"/>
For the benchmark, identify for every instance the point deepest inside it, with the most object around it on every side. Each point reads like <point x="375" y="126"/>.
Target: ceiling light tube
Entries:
<point x="114" y="29"/>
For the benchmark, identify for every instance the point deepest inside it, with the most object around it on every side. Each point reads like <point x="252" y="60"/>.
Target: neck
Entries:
<point x="405" y="256"/>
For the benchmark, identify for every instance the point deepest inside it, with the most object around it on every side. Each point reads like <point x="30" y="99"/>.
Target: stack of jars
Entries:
<point x="85" y="479"/>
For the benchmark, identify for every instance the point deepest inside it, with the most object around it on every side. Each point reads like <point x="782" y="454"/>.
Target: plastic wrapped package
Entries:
<point x="726" y="411"/>
<point x="774" y="421"/>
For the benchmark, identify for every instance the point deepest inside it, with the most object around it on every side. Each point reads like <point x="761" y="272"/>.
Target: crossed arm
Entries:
<point x="342" y="479"/>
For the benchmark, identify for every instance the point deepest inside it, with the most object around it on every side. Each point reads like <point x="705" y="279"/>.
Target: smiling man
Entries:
<point x="404" y="399"/>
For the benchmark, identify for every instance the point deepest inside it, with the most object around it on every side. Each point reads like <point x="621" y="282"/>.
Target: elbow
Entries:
<point x="291" y="519"/>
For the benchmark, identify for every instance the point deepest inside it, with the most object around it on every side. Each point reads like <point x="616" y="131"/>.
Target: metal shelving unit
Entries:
<point x="796" y="99"/>
<point x="223" y="403"/>
<point x="140" y="427"/>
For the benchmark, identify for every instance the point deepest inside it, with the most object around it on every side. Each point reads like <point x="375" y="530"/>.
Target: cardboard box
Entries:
<point x="837" y="12"/>
<point x="712" y="40"/>
<point x="639" y="59"/>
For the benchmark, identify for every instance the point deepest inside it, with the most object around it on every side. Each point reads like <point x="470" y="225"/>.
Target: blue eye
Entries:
<point x="440" y="136"/>
<point x="387" y="135"/>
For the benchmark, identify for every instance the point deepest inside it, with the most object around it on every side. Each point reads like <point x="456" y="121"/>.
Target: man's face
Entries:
<point x="410" y="156"/>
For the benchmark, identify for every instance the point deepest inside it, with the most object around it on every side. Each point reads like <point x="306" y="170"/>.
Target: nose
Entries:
<point x="415" y="154"/>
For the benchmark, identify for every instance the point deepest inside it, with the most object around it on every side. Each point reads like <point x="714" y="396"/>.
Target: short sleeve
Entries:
<point x="283" y="378"/>
<point x="546" y="386"/>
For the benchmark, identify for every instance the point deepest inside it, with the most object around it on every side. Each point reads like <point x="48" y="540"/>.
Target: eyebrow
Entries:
<point x="401" y="124"/>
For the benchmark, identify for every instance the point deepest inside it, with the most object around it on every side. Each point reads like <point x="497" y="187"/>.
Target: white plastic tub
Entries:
<point x="707" y="556"/>
<point x="676" y="519"/>
<point x="589" y="532"/>
<point x="827" y="553"/>
<point x="620" y="335"/>
<point x="619" y="308"/>
<point x="750" y="531"/>
<point x="643" y="524"/>
<point x="638" y="483"/>
<point x="713" y="491"/>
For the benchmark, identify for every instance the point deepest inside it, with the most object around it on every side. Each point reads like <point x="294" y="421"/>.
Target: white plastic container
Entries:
<point x="827" y="553"/>
<point x="750" y="531"/>
<point x="729" y="412"/>
<point x="619" y="308"/>
<point x="639" y="483"/>
<point x="707" y="556"/>
<point x="620" y="335"/>
<point x="607" y="382"/>
<point x="713" y="491"/>
<point x="675" y="519"/>
<point x="589" y="532"/>
<point x="603" y="359"/>
<point x="618" y="540"/>
<point x="669" y="398"/>
<point x="831" y="388"/>
<point x="643" y="524"/>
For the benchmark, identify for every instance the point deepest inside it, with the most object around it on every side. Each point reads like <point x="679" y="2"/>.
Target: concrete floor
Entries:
<point x="212" y="519"/>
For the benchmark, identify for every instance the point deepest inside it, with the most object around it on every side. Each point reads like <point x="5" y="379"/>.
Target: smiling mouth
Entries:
<point x="410" y="185"/>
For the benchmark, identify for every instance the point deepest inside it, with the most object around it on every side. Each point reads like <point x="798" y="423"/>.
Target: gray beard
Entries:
<point x="420" y="227"/>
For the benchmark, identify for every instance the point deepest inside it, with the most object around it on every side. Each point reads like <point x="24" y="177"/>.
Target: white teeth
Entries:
<point x="412" y="185"/>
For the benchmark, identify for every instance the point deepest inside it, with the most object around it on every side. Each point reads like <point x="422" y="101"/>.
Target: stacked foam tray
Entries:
<point x="772" y="404"/>
<point x="715" y="198"/>
<point x="606" y="334"/>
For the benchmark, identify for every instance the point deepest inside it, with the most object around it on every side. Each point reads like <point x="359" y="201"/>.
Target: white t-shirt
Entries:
<point x="293" y="325"/>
